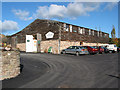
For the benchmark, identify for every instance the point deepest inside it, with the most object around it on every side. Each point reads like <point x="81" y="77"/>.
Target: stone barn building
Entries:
<point x="60" y="35"/>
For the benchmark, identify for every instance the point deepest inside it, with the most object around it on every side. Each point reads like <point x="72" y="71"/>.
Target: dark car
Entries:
<point x="92" y="49"/>
<point x="106" y="50"/>
<point x="100" y="49"/>
<point x="118" y="49"/>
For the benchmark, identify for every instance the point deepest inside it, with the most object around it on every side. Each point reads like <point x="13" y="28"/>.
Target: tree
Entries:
<point x="3" y="38"/>
<point x="113" y="35"/>
<point x="113" y="32"/>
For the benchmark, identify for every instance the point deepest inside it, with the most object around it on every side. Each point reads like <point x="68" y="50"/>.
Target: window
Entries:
<point x="105" y="35"/>
<point x="79" y="30"/>
<point x="93" y="33"/>
<point x="101" y="34"/>
<point x="89" y="32"/>
<point x="74" y="30"/>
<point x="83" y="31"/>
<point x="69" y="47"/>
<point x="73" y="47"/>
<point x="98" y="33"/>
<point x="76" y="47"/>
<point x="70" y="28"/>
<point x="115" y="46"/>
<point x="65" y="27"/>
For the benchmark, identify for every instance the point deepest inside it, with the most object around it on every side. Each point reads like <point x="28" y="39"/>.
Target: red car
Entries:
<point x="100" y="49"/>
<point x="92" y="49"/>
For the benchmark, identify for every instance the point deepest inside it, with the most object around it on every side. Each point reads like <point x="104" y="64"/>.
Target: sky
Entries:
<point x="95" y="15"/>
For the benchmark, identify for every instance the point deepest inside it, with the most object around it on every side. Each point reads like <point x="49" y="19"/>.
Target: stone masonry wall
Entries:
<point x="54" y="43"/>
<point x="9" y="64"/>
<point x="21" y="46"/>
<point x="66" y="44"/>
<point x="50" y="43"/>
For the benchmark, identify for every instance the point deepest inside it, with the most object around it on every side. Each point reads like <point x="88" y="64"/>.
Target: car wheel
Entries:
<point x="63" y="52"/>
<point x="77" y="53"/>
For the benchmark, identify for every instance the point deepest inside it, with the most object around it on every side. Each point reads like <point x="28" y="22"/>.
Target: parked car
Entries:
<point x="118" y="49"/>
<point x="92" y="49"/>
<point x="105" y="49"/>
<point x="100" y="49"/>
<point x="112" y="48"/>
<point x="75" y="50"/>
<point x="2" y="48"/>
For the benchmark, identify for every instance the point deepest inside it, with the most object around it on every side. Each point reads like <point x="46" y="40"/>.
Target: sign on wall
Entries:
<point x="49" y="35"/>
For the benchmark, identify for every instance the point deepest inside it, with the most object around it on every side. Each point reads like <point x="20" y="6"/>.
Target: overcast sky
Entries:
<point x="17" y="15"/>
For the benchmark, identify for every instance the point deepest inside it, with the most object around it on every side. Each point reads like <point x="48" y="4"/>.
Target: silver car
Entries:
<point x="75" y="50"/>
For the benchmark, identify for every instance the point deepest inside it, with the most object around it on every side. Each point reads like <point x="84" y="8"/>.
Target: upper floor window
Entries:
<point x="83" y="30"/>
<point x="80" y="30"/>
<point x="101" y="34"/>
<point x="74" y="30"/>
<point x="93" y="32"/>
<point x="105" y="35"/>
<point x="98" y="33"/>
<point x="89" y="32"/>
<point x="70" y="28"/>
<point x="66" y="27"/>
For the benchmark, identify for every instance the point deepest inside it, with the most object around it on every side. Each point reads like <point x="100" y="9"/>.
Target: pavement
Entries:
<point x="66" y="71"/>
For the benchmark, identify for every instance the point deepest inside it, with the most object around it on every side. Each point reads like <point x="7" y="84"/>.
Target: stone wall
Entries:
<point x="66" y="44"/>
<point x="9" y="64"/>
<point x="21" y="46"/>
<point x="45" y="45"/>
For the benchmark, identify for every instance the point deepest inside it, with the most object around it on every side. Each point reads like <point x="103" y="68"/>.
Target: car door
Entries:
<point x="68" y="50"/>
<point x="74" y="49"/>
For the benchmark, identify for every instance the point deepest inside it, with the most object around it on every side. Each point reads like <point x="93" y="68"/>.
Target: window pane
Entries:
<point x="73" y="47"/>
<point x="70" y="28"/>
<point x="74" y="31"/>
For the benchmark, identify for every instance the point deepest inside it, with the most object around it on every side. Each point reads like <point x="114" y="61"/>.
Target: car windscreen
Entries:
<point x="69" y="47"/>
<point x="94" y="47"/>
<point x="82" y="47"/>
<point x="102" y="47"/>
<point x="115" y="46"/>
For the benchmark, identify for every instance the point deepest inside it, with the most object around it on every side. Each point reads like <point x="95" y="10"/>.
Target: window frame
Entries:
<point x="89" y="31"/>
<point x="70" y="28"/>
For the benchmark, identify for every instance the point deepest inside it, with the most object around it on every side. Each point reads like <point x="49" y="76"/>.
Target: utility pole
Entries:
<point x="14" y="42"/>
<point x="59" y="38"/>
<point x="39" y="38"/>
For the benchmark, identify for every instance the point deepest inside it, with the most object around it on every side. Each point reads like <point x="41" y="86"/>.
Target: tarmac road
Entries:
<point x="66" y="71"/>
